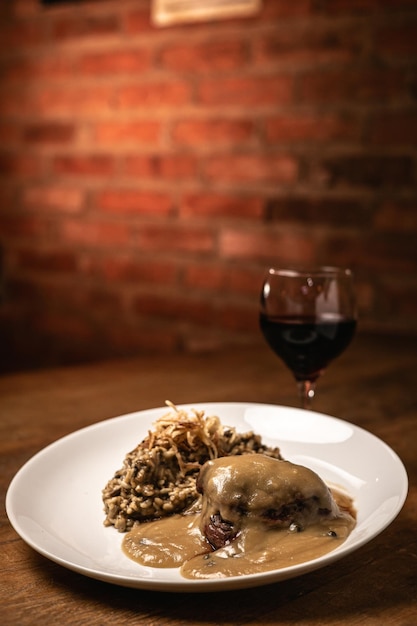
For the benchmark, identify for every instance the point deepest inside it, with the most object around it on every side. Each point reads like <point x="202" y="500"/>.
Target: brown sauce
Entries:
<point x="168" y="542"/>
<point x="179" y="541"/>
<point x="258" y="550"/>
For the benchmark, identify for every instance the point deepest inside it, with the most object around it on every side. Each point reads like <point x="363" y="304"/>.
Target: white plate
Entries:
<point x="54" y="501"/>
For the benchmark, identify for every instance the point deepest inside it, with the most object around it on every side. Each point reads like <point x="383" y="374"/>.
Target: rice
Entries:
<point x="158" y="477"/>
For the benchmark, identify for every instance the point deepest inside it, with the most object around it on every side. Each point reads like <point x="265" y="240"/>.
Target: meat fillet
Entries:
<point x="260" y="489"/>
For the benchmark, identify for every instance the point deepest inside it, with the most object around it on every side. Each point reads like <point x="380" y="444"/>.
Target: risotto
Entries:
<point x="158" y="477"/>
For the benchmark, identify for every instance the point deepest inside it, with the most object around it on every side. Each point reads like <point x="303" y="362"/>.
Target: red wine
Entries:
<point x="307" y="345"/>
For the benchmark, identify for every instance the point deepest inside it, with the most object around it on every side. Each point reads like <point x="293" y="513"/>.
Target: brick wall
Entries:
<point x="148" y="176"/>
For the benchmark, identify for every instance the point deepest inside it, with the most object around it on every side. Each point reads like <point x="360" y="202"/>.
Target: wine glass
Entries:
<point x="308" y="318"/>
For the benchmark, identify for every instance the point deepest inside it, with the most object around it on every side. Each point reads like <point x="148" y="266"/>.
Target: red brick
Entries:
<point x="204" y="57"/>
<point x="8" y="106"/>
<point x="246" y="281"/>
<point x="97" y="299"/>
<point x="337" y="212"/>
<point x="353" y="85"/>
<point x="9" y="134"/>
<point x="53" y="197"/>
<point x="96" y="234"/>
<point x="365" y="6"/>
<point x="213" y="132"/>
<point x="114" y="62"/>
<point x="25" y="8"/>
<point x="24" y="289"/>
<point x="63" y="325"/>
<point x="397" y="41"/>
<point x="56" y="295"/>
<point x="299" y="128"/>
<point x="282" y="247"/>
<point x="178" y="307"/>
<point x="166" y="239"/>
<point x="396" y="216"/>
<point x="144" y="337"/>
<point x="155" y="94"/>
<point x="22" y="34"/>
<point x="146" y="132"/>
<point x="7" y="199"/>
<point x="400" y="298"/>
<point x="365" y="171"/>
<point x="158" y="166"/>
<point x="91" y="165"/>
<point x="399" y="128"/>
<point x="16" y="226"/>
<point x="308" y="46"/>
<point x="223" y="279"/>
<point x="135" y="202"/>
<point x="131" y="270"/>
<point x="216" y="205"/>
<point x="84" y="25"/>
<point x="279" y="9"/>
<point x="365" y="296"/>
<point x="373" y="252"/>
<point x="252" y="168"/>
<point x="49" y="132"/>
<point x="207" y="278"/>
<point x="238" y="317"/>
<point x="21" y="165"/>
<point x="256" y="91"/>
<point x="54" y="261"/>
<point x="55" y="67"/>
<point x="138" y="21"/>
<point x="207" y="116"/>
<point x="93" y="99"/>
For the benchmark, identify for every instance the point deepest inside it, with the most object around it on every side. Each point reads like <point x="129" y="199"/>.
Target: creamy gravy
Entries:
<point x="167" y="542"/>
<point x="258" y="550"/>
<point x="247" y="487"/>
<point x="180" y="540"/>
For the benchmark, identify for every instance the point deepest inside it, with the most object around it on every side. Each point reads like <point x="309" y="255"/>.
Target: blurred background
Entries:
<point x="149" y="175"/>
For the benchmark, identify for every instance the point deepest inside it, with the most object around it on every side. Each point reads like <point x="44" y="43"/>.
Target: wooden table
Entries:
<point x="374" y="385"/>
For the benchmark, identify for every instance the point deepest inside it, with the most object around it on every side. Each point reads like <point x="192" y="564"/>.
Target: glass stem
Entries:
<point x="306" y="390"/>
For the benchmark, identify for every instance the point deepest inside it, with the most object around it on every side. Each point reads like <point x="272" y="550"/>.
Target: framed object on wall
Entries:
<point x="167" y="12"/>
<point x="47" y="2"/>
<point x="170" y="12"/>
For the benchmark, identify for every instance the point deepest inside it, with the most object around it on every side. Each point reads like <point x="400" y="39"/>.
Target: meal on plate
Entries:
<point x="200" y="496"/>
<point x="158" y="477"/>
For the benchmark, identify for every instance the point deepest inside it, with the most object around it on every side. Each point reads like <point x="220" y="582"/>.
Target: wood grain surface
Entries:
<point x="373" y="385"/>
